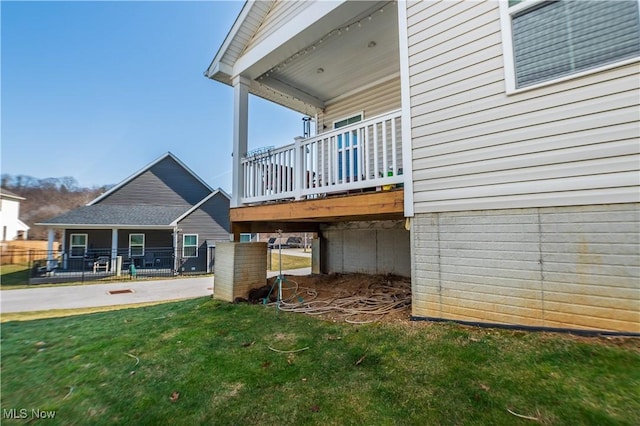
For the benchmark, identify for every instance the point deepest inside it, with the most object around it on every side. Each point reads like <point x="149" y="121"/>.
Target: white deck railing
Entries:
<point x="367" y="154"/>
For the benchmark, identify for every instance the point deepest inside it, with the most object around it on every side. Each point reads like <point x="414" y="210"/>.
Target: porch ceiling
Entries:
<point x="354" y="46"/>
<point x="362" y="50"/>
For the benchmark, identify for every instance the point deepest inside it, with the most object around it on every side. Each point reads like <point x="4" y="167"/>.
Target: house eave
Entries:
<point x="102" y="226"/>
<point x="23" y="226"/>
<point x="292" y="39"/>
<point x="217" y="64"/>
<point x="6" y="196"/>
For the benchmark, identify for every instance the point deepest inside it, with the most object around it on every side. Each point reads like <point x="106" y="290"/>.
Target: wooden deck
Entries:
<point x="306" y="215"/>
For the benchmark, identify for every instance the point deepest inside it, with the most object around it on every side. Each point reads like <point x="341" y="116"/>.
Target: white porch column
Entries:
<point x="63" y="249"/>
<point x="405" y="95"/>
<point x="240" y="132"/>
<point x="51" y="235"/>
<point x="114" y="248"/>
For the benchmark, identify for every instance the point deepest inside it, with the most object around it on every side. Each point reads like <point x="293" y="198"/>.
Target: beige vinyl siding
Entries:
<point x="569" y="143"/>
<point x="373" y="101"/>
<point x="279" y="13"/>
<point x="560" y="267"/>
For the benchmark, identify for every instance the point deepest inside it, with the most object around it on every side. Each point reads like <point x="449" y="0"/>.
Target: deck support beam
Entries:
<point x="306" y="215"/>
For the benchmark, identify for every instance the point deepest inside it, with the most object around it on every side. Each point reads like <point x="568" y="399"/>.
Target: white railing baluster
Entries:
<point x="394" y="154"/>
<point x="318" y="165"/>
<point x="376" y="163"/>
<point x="321" y="178"/>
<point x="367" y="152"/>
<point x="361" y="155"/>
<point x="385" y="160"/>
<point x="334" y="160"/>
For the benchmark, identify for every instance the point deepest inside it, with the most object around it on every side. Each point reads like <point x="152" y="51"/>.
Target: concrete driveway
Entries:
<point x="115" y="293"/>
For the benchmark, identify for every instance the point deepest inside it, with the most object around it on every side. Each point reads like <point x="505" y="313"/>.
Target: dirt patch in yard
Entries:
<point x="354" y="298"/>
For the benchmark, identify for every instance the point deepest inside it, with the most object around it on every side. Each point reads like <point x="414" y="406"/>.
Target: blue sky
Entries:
<point x="97" y="90"/>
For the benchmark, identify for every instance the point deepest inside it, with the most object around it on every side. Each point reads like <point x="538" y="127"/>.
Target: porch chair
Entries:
<point x="101" y="263"/>
<point x="148" y="260"/>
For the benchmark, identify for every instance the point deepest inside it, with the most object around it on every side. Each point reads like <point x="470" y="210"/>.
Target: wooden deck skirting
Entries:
<point x="380" y="205"/>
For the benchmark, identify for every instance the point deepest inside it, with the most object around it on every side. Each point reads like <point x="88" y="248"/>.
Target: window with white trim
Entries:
<point x="136" y="245"/>
<point x="190" y="245"/>
<point x="348" y="149"/>
<point x="78" y="245"/>
<point x="546" y="41"/>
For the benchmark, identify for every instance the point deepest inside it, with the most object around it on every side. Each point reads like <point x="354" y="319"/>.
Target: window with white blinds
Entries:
<point x="553" y="39"/>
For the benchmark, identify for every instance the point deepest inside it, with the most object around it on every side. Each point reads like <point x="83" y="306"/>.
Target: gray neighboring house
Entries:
<point x="163" y="216"/>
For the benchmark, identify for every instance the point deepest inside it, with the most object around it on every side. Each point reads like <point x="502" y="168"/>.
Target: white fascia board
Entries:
<point x="280" y="37"/>
<point x="220" y="69"/>
<point x="6" y="196"/>
<point x="102" y="226"/>
<point x="22" y="226"/>
<point x="223" y="192"/>
<point x="197" y="206"/>
<point x="214" y="67"/>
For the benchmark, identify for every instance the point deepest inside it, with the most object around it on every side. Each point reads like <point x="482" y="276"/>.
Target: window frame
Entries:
<point x="506" y="30"/>
<point x="185" y="246"/>
<point x="71" y="245"/>
<point x="137" y="245"/>
<point x="335" y="123"/>
<point x="348" y="148"/>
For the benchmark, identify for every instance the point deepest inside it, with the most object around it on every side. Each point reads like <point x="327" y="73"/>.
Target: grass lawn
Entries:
<point x="206" y="362"/>
<point x="288" y="261"/>
<point x="12" y="276"/>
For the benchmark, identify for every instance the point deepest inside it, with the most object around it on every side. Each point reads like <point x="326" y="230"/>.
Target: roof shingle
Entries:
<point x="142" y="215"/>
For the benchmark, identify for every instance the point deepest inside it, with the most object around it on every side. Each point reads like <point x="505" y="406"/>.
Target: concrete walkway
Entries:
<point x="94" y="295"/>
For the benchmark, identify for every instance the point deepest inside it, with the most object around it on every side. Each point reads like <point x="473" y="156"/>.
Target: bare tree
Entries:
<point x="47" y="198"/>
